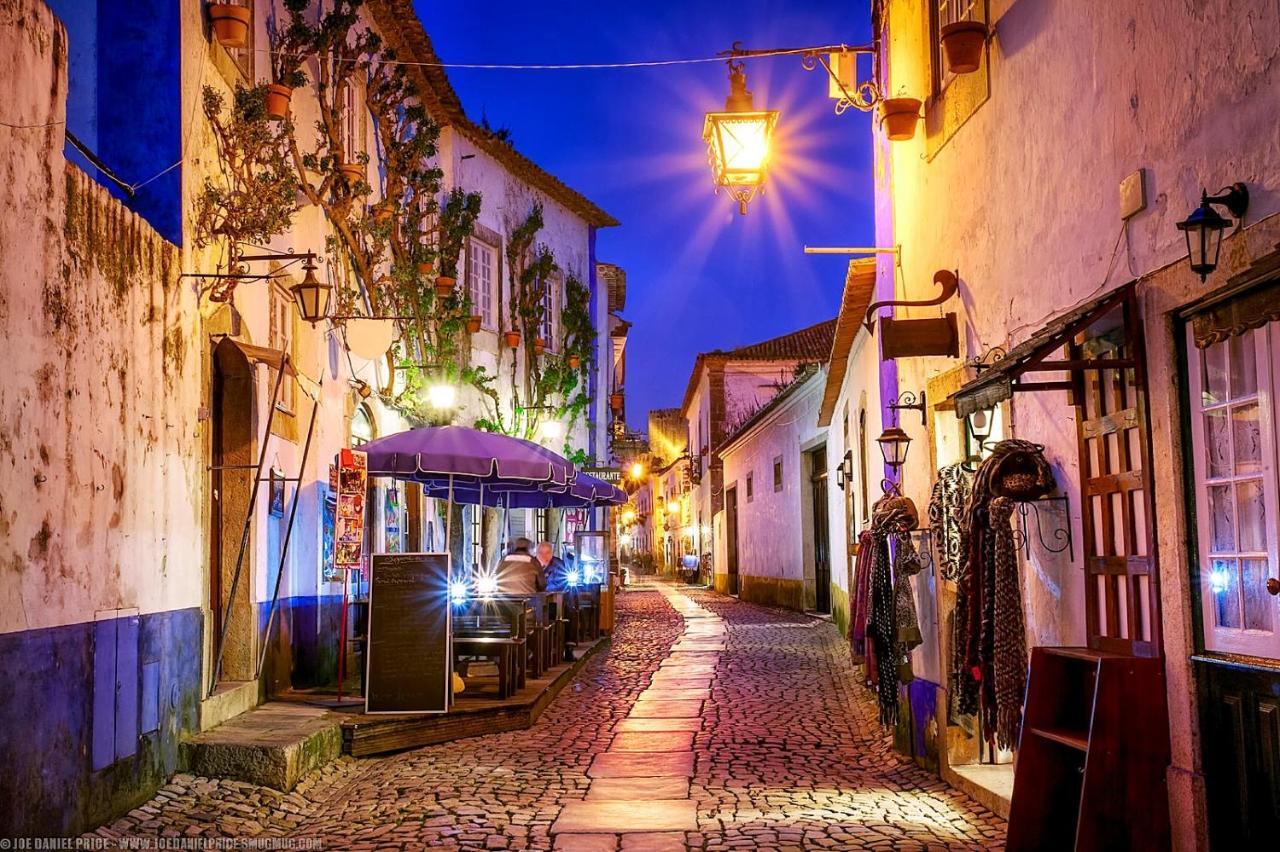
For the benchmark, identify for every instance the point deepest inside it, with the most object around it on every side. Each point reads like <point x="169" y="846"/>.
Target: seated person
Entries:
<point x="519" y="573"/>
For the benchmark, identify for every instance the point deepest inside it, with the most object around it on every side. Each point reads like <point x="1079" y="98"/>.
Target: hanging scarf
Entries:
<point x="906" y="564"/>
<point x="861" y="608"/>
<point x="883" y="630"/>
<point x="946" y="517"/>
<point x="1008" y="681"/>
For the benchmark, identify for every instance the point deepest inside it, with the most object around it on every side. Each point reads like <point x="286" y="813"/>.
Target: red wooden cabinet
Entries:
<point x="1093" y="754"/>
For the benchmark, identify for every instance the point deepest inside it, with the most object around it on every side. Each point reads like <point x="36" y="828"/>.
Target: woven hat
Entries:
<point x="1020" y="472"/>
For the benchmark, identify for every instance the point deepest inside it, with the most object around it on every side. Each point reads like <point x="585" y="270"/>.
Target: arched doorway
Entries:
<point x="231" y="483"/>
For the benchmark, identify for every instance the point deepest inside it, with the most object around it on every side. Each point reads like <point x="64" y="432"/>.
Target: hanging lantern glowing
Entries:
<point x="312" y="294"/>
<point x="738" y="141"/>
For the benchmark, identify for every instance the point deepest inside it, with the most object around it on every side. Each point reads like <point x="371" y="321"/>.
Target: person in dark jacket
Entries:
<point x="557" y="574"/>
<point x="519" y="573"/>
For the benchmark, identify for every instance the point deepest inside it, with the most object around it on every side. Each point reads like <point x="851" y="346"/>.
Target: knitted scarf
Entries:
<point x="1008" y="683"/>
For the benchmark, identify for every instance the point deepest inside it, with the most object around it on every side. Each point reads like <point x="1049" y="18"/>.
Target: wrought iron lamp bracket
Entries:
<point x="910" y="400"/>
<point x="946" y="279"/>
<point x="1056" y="539"/>
<point x="865" y="94"/>
<point x="987" y="359"/>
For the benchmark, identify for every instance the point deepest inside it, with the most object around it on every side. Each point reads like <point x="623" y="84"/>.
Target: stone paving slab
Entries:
<point x="602" y="815"/>
<point x="681" y="683"/>
<point x="631" y="789"/>
<point x="637" y="725"/>
<point x="618" y="764"/>
<point x="684" y="671"/>
<point x="653" y="741"/>
<point x="681" y="647"/>
<point x="664" y="841"/>
<point x="694" y="657"/>
<point x="667" y="710"/>
<point x="661" y="692"/>
<point x="587" y="843"/>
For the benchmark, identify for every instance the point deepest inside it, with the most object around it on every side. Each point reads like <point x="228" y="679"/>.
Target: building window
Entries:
<point x="243" y="56"/>
<point x="1233" y="387"/>
<point x="362" y="428"/>
<point x="950" y="12"/>
<point x="751" y="490"/>
<point x="351" y="131"/>
<point x="480" y="279"/>
<point x="863" y="472"/>
<point x="777" y="473"/>
<point x="552" y="296"/>
<point x="280" y="335"/>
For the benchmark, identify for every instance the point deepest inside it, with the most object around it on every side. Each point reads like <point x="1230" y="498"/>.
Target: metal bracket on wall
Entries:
<point x="1059" y="534"/>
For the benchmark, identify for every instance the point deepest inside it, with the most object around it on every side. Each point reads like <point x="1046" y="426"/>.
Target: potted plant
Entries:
<point x="575" y="361"/>
<point x="353" y="172"/>
<point x="473" y="323"/>
<point x="289" y="49"/>
<point x="230" y="24"/>
<point x="962" y="43"/>
<point x="445" y="285"/>
<point x="899" y="117"/>
<point x="512" y="337"/>
<point x="539" y="346"/>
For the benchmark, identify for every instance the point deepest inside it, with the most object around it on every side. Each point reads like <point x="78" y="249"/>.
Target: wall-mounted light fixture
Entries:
<point x="844" y="470"/>
<point x="910" y="401"/>
<point x="980" y="422"/>
<point x="311" y="295"/>
<point x="894" y="444"/>
<point x="1204" y="227"/>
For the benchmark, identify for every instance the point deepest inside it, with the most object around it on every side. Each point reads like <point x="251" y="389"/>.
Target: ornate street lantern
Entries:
<point x="442" y="396"/>
<point x="311" y="294"/>
<point x="894" y="444"/>
<point x="980" y="422"/>
<point x="738" y="141"/>
<point x="1204" y="227"/>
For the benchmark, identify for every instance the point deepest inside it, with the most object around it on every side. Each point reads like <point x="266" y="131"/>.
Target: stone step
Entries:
<point x="600" y="816"/>
<point x="273" y="745"/>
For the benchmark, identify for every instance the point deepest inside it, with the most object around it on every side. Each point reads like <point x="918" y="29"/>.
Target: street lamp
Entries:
<point x="311" y="294"/>
<point x="442" y="395"/>
<point x="637" y="471"/>
<point x="980" y="422"/>
<point x="1204" y="227"/>
<point x="894" y="444"/>
<point x="552" y="430"/>
<point x="738" y="140"/>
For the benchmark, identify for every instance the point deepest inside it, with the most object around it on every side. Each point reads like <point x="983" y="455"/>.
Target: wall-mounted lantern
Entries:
<point x="894" y="444"/>
<point x="980" y="422"/>
<point x="1204" y="227"/>
<point x="738" y="141"/>
<point x="311" y="294"/>
<point x="844" y="470"/>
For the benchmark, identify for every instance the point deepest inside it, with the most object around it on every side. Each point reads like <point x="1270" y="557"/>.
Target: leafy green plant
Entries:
<point x="290" y="45"/>
<point x="457" y="222"/>
<point x="253" y="196"/>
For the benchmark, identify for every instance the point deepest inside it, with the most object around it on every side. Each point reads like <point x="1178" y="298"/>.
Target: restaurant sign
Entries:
<point x="612" y="475"/>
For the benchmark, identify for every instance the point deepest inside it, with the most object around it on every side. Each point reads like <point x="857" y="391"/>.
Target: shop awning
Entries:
<point x="1251" y="300"/>
<point x="273" y="358"/>
<point x="1005" y="377"/>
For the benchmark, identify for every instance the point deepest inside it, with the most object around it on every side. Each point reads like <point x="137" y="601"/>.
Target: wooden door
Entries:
<point x="1234" y="455"/>
<point x="731" y="537"/>
<point x="821" y="538"/>
<point x="1121" y="578"/>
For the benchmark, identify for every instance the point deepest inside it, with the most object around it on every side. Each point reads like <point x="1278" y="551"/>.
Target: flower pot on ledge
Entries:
<point x="278" y="98"/>
<point x="426" y="268"/>
<point x="539" y="346"/>
<point x="512" y="338"/>
<point x="230" y="24"/>
<point x="353" y="172"/>
<point x="445" y="285"/>
<point x="962" y="43"/>
<point x="899" y="117"/>
<point x="473" y="324"/>
<point x="575" y="361"/>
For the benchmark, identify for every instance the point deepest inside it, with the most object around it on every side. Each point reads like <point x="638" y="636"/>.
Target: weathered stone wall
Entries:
<point x="100" y="453"/>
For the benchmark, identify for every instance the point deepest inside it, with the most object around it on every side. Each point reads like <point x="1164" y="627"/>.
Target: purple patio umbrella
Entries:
<point x="433" y="455"/>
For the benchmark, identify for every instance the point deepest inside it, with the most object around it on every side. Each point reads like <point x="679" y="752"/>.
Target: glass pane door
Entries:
<point x="1233" y="417"/>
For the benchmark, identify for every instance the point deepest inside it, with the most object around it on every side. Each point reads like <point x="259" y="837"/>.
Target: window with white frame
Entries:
<point x="1233" y="385"/>
<point x="552" y="298"/>
<point x="280" y="333"/>
<point x="481" y="269"/>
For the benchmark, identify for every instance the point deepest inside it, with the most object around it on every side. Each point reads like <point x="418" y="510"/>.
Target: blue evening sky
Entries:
<point x="700" y="276"/>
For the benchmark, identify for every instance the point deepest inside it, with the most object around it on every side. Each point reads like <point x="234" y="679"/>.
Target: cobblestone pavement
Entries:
<point x="787" y="755"/>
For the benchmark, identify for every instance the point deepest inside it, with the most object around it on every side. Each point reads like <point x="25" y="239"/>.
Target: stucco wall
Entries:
<point x="1023" y="202"/>
<point x="775" y="533"/>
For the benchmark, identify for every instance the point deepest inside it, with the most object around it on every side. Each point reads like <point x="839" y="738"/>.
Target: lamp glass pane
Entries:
<point x="739" y="145"/>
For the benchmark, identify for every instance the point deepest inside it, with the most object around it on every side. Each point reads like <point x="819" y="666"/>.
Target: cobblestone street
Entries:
<point x="786" y="754"/>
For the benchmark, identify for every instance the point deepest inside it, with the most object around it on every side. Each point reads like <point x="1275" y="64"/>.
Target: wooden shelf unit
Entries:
<point x="1093" y="754"/>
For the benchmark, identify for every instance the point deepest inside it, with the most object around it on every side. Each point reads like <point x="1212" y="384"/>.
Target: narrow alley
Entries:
<point x="762" y="706"/>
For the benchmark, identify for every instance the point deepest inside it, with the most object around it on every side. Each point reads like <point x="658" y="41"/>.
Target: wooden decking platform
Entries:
<point x="475" y="713"/>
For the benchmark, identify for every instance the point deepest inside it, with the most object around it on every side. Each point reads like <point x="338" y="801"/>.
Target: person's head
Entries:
<point x="544" y="552"/>
<point x="521" y="545"/>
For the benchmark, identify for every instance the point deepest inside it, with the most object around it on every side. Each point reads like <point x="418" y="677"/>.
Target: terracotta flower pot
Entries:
<point x="539" y="346"/>
<point x="382" y="212"/>
<point x="575" y="361"/>
<point x="473" y="324"/>
<point x="512" y="338"/>
<point x="899" y="117"/>
<point x="426" y="268"/>
<point x="615" y="401"/>
<point x="962" y="43"/>
<point x="352" y="171"/>
<point x="278" y="98"/>
<point x="230" y="24"/>
<point x="444" y="285"/>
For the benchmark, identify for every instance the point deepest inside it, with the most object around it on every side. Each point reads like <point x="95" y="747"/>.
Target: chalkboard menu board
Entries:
<point x="409" y="634"/>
